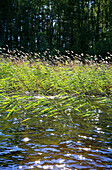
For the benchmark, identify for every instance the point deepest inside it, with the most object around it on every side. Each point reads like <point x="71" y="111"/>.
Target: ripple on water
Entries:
<point x="49" y="144"/>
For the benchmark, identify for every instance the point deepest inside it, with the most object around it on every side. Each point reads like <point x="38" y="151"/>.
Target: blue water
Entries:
<point x="69" y="142"/>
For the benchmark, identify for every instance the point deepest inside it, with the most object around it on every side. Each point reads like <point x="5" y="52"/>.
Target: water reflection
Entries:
<point x="50" y="143"/>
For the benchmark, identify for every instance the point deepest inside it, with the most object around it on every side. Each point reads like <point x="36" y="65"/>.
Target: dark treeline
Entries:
<point x="78" y="25"/>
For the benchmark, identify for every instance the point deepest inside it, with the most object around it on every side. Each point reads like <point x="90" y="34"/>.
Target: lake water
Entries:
<point x="60" y="143"/>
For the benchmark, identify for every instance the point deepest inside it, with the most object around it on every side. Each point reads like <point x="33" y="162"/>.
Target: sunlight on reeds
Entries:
<point x="46" y="84"/>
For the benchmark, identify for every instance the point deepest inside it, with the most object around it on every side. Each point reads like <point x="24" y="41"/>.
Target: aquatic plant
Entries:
<point x="46" y="89"/>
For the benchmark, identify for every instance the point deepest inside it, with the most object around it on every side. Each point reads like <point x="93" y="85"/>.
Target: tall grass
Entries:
<point x="49" y="80"/>
<point x="48" y="89"/>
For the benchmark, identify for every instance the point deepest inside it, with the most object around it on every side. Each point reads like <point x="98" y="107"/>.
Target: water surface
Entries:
<point x="64" y="142"/>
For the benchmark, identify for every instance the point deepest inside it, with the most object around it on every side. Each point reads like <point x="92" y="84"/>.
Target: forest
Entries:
<point x="78" y="25"/>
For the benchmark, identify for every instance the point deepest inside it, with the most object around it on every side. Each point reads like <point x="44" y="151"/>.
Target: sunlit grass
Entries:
<point x="50" y="80"/>
<point x="47" y="89"/>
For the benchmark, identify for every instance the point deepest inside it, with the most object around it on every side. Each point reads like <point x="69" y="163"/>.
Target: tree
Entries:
<point x="36" y="25"/>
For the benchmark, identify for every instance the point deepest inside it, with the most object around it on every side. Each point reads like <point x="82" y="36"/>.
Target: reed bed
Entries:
<point x="43" y="88"/>
<point x="46" y="79"/>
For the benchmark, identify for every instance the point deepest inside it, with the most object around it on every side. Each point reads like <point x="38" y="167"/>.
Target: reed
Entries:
<point x="45" y="89"/>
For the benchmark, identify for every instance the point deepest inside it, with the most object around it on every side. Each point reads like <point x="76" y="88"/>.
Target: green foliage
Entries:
<point x="45" y="89"/>
<point x="102" y="47"/>
<point x="38" y="25"/>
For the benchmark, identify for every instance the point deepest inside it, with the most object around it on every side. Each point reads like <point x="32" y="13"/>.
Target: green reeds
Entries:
<point x="45" y="89"/>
